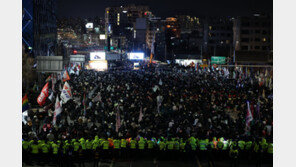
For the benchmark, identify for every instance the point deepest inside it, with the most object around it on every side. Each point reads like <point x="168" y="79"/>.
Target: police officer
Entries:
<point x="25" y="151"/>
<point x="220" y="146"/>
<point x="210" y="156"/>
<point x="55" y="151"/>
<point x="96" y="156"/>
<point x="150" y="144"/>
<point x="170" y="149"/>
<point x="89" y="147"/>
<point x="123" y="145"/>
<point x="133" y="147"/>
<point x="34" y="147"/>
<point x="141" y="146"/>
<point x="106" y="152"/>
<point x="45" y="150"/>
<point x="162" y="148"/>
<point x="116" y="150"/>
<point x="270" y="152"/>
<point x="76" y="146"/>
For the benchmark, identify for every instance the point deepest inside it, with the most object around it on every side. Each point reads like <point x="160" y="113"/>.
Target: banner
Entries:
<point x="249" y="117"/>
<point x="66" y="93"/>
<point x="66" y="76"/>
<point x="43" y="95"/>
<point x="57" y="111"/>
<point x="25" y="104"/>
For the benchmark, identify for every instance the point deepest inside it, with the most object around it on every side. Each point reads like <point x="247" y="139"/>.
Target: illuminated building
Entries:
<point x="39" y="26"/>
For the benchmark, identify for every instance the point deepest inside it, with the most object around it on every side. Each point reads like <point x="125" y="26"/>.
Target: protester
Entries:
<point x="171" y="103"/>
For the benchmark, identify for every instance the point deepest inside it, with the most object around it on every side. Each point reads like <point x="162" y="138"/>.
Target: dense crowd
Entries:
<point x="176" y="102"/>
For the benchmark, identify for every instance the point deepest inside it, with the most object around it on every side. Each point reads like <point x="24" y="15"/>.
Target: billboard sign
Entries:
<point x="99" y="65"/>
<point x="102" y="36"/>
<point x="97" y="56"/>
<point x="218" y="60"/>
<point x="136" y="56"/>
<point x="89" y="25"/>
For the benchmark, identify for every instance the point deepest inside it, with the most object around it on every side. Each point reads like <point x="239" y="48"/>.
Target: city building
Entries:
<point x="188" y="23"/>
<point x="40" y="27"/>
<point x="218" y="36"/>
<point x="253" y="38"/>
<point x="128" y="22"/>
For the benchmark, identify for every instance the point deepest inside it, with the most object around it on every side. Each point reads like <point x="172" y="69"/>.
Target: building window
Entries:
<point x="257" y="31"/>
<point x="257" y="47"/>
<point x="257" y="39"/>
<point x="264" y="39"/>
<point x="245" y="39"/>
<point x="245" y="31"/>
<point x="244" y="47"/>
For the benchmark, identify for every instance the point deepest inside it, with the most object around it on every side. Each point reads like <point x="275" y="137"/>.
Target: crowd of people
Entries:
<point x="168" y="103"/>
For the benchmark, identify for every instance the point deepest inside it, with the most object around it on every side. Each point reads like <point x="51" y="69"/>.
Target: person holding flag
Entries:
<point x="57" y="111"/>
<point x="249" y="118"/>
<point x="25" y="103"/>
<point x="43" y="95"/>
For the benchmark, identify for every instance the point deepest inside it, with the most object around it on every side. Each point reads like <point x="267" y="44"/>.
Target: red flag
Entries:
<point x="48" y="79"/>
<point x="43" y="95"/>
<point x="66" y="76"/>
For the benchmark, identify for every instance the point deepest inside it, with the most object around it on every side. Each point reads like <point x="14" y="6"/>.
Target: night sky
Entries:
<point x="165" y="8"/>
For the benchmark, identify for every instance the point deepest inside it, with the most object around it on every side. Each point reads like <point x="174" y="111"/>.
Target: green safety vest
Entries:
<point x="212" y="144"/>
<point x="170" y="145"/>
<point x="220" y="144"/>
<point x="123" y="143"/>
<point x="45" y="148"/>
<point x="182" y="146"/>
<point x="55" y="148"/>
<point x="116" y="144"/>
<point x="270" y="148"/>
<point x="105" y="145"/>
<point x="65" y="147"/>
<point x="264" y="146"/>
<point x="94" y="144"/>
<point x="193" y="145"/>
<point x="76" y="146"/>
<point x="35" y="149"/>
<point x="25" y="145"/>
<point x="133" y="144"/>
<point x="82" y="143"/>
<point x="241" y="144"/>
<point x="141" y="144"/>
<point x="256" y="147"/>
<point x="225" y="145"/>
<point x="150" y="144"/>
<point x="202" y="145"/>
<point x="161" y="145"/>
<point x="88" y="144"/>
<point x="248" y="145"/>
<point x="177" y="145"/>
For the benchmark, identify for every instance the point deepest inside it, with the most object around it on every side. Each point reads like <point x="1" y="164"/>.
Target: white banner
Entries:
<point x="66" y="93"/>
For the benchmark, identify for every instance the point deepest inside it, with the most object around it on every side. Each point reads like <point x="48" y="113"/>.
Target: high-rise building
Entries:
<point x="40" y="27"/>
<point x="122" y="22"/>
<point x="188" y="23"/>
<point x="253" y="38"/>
